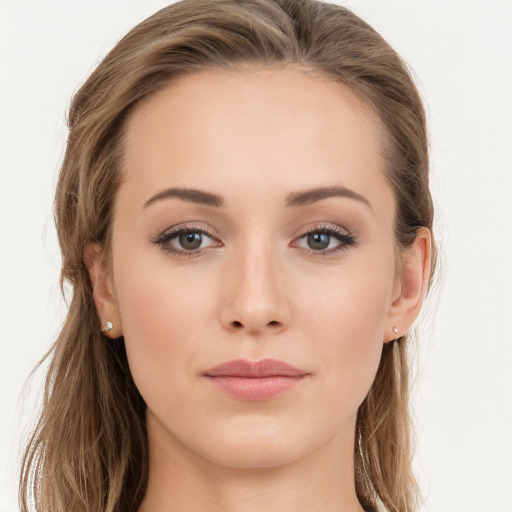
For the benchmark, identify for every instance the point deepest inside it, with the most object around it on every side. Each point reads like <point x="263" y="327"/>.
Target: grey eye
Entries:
<point x="190" y="240"/>
<point x="318" y="241"/>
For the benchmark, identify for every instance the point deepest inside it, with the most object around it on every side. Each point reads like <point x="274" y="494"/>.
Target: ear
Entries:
<point x="410" y="286"/>
<point x="103" y="289"/>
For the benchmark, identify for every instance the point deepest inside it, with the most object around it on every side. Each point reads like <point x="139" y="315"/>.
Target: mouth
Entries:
<point x="255" y="381"/>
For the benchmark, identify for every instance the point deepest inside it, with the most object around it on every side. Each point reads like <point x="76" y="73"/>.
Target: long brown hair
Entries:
<point x="88" y="451"/>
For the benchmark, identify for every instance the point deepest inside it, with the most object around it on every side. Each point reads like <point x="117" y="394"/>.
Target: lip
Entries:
<point x="255" y="380"/>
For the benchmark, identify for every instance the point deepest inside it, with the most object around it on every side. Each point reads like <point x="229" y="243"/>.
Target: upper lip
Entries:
<point x="262" y="368"/>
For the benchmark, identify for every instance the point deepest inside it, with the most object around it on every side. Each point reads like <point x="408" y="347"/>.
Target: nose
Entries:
<point x="254" y="292"/>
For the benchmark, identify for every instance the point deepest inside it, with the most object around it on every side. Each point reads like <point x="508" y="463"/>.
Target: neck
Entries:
<point x="182" y="480"/>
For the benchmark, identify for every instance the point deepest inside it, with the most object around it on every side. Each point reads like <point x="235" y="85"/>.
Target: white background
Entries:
<point x="461" y="54"/>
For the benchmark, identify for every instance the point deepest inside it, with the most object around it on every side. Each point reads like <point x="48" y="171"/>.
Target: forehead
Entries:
<point x="263" y="130"/>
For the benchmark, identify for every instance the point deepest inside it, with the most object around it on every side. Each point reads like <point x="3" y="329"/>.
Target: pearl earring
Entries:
<point x="108" y="327"/>
<point x="395" y="330"/>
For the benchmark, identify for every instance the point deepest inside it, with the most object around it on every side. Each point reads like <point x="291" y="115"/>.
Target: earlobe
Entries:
<point x="413" y="281"/>
<point x="103" y="292"/>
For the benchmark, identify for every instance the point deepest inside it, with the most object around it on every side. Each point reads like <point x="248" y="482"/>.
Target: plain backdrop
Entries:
<point x="460" y="52"/>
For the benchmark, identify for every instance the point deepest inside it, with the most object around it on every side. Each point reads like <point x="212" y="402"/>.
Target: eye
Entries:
<point x="326" y="240"/>
<point x="186" y="241"/>
<point x="190" y="241"/>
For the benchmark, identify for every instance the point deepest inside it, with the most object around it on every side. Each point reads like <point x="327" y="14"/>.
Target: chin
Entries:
<point x="256" y="448"/>
<point x="256" y="455"/>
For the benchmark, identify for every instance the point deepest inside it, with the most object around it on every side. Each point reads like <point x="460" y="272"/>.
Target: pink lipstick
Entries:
<point x="253" y="381"/>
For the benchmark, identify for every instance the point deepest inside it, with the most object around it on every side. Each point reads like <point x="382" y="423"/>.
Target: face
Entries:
<point x="254" y="222"/>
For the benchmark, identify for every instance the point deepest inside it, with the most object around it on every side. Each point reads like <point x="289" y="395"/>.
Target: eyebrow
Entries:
<point x="293" y="199"/>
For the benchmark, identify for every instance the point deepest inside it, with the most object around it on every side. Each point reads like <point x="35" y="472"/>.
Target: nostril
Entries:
<point x="273" y="323"/>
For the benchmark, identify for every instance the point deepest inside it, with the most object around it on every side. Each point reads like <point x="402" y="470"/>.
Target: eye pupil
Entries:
<point x="190" y="240"/>
<point x="318" y="241"/>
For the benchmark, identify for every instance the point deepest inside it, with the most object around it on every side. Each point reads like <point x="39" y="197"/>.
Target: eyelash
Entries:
<point x="346" y="240"/>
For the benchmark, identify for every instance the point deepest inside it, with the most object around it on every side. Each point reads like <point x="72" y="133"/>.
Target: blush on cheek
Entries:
<point x="162" y="318"/>
<point x="348" y="323"/>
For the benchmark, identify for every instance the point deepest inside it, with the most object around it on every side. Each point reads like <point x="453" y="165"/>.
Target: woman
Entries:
<point x="244" y="215"/>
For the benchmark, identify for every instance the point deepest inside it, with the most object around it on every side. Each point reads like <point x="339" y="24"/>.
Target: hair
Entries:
<point x="89" y="451"/>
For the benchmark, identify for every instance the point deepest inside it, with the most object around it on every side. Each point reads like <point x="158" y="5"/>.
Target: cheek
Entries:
<point x="163" y="315"/>
<point x="346" y="322"/>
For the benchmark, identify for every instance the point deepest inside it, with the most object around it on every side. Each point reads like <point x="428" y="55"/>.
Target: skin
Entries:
<point x="255" y="288"/>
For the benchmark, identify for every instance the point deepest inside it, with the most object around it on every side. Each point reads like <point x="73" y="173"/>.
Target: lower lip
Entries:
<point x="256" y="388"/>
